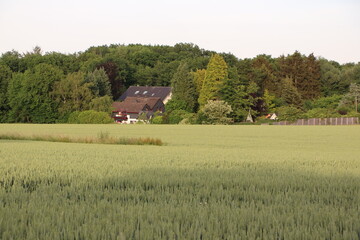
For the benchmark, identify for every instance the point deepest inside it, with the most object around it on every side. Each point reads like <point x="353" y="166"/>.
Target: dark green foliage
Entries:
<point x="90" y="117"/>
<point x="101" y="104"/>
<point x="110" y="70"/>
<point x="331" y="102"/>
<point x="184" y="89"/>
<point x="240" y="97"/>
<point x="175" y="104"/>
<point x="14" y="61"/>
<point x="157" y="120"/>
<point x="5" y="77"/>
<point x="29" y="95"/>
<point x="290" y="93"/>
<point x="176" y="116"/>
<point x="98" y="83"/>
<point x="352" y="98"/>
<point x="321" y="113"/>
<point x="331" y="78"/>
<point x="289" y="113"/>
<point x="215" y="76"/>
<point x="304" y="73"/>
<point x="72" y="93"/>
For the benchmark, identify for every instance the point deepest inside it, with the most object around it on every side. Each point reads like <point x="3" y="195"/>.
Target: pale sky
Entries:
<point x="327" y="28"/>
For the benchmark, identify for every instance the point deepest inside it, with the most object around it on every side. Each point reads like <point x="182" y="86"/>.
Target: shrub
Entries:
<point x="289" y="113"/>
<point x="157" y="120"/>
<point x="90" y="117"/>
<point x="216" y="112"/>
<point x="321" y="113"/>
<point x="330" y="102"/>
<point x="73" y="117"/>
<point x="175" y="104"/>
<point x="101" y="104"/>
<point x="177" y="115"/>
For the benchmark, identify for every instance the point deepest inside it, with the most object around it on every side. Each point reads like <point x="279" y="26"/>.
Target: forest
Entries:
<point x="53" y="87"/>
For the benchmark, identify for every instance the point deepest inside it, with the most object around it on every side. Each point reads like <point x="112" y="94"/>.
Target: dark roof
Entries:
<point x="129" y="107"/>
<point x="147" y="92"/>
<point x="151" y="102"/>
<point x="135" y="104"/>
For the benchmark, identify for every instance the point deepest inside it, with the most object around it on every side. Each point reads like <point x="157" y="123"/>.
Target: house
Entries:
<point x="129" y="110"/>
<point x="164" y="93"/>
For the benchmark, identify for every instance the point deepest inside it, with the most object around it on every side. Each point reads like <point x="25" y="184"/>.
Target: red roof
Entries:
<point x="135" y="104"/>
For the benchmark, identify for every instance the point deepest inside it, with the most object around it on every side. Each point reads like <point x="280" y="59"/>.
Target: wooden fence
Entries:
<point x="321" y="121"/>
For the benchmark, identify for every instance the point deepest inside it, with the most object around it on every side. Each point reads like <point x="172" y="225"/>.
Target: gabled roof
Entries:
<point x="135" y="104"/>
<point x="151" y="102"/>
<point x="146" y="92"/>
<point x="130" y="107"/>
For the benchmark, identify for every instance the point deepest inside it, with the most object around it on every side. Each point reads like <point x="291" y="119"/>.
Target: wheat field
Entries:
<point x="205" y="182"/>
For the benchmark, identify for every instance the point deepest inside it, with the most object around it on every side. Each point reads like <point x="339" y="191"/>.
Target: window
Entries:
<point x="136" y="92"/>
<point x="145" y="92"/>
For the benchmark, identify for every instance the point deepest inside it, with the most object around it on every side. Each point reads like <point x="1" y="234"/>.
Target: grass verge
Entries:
<point x="102" y="138"/>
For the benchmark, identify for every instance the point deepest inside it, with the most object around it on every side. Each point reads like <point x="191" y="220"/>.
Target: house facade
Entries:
<point x="130" y="109"/>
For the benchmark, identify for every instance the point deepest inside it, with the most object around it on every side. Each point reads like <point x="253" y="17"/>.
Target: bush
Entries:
<point x="177" y="115"/>
<point x="101" y="104"/>
<point x="90" y="117"/>
<point x="189" y="119"/>
<point x="289" y="113"/>
<point x="324" y="102"/>
<point x="157" y="120"/>
<point x="175" y="104"/>
<point x="352" y="114"/>
<point x="343" y="110"/>
<point x="217" y="112"/>
<point x="321" y="113"/>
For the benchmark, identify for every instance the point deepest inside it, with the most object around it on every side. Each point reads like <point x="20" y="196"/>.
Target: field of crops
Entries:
<point x="206" y="182"/>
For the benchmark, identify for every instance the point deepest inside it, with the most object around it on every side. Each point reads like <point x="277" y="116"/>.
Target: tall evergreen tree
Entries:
<point x="98" y="82"/>
<point x="183" y="87"/>
<point x="5" y="76"/>
<point x="290" y="93"/>
<point x="199" y="76"/>
<point x="311" y="86"/>
<point x="304" y="72"/>
<point x="215" y="77"/>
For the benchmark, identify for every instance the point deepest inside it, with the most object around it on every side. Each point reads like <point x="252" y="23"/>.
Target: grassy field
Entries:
<point x="206" y="182"/>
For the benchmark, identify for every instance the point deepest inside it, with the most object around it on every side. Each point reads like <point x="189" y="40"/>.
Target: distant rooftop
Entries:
<point x="146" y="92"/>
<point x="136" y="104"/>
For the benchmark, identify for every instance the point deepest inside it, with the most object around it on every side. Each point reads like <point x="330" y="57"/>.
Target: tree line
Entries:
<point x="37" y="87"/>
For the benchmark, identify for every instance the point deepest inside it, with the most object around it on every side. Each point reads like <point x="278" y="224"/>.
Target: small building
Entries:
<point x="164" y="93"/>
<point x="272" y="116"/>
<point x="129" y="110"/>
<point x="249" y="118"/>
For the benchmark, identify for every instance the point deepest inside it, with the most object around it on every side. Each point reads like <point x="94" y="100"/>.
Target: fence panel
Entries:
<point x="321" y="121"/>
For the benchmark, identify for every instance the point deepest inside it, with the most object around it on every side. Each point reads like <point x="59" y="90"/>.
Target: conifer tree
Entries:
<point x="183" y="87"/>
<point x="304" y="72"/>
<point x="99" y="82"/>
<point x="312" y="87"/>
<point x="290" y="93"/>
<point x="199" y="76"/>
<point x="215" y="77"/>
<point x="5" y="76"/>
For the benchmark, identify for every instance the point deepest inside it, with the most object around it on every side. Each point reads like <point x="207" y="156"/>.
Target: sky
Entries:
<point x="327" y="28"/>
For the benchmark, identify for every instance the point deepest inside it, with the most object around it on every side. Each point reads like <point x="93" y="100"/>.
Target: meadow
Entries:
<point x="205" y="182"/>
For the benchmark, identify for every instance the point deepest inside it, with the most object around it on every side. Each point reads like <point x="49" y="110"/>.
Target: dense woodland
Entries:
<point x="37" y="87"/>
